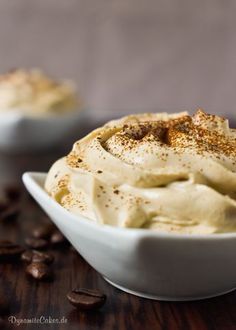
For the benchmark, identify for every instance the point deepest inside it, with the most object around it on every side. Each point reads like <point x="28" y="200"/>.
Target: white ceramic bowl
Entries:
<point x="146" y="263"/>
<point x="19" y="132"/>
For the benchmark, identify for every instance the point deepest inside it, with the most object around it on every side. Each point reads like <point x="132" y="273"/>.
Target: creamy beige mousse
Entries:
<point x="170" y="173"/>
<point x="35" y="94"/>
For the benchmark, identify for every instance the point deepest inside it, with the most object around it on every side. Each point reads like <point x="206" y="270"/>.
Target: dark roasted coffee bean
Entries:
<point x="27" y="256"/>
<point x="57" y="238"/>
<point x="9" y="250"/>
<point x="39" y="271"/>
<point x="37" y="256"/>
<point x="12" y="192"/>
<point x="11" y="212"/>
<point x="86" y="299"/>
<point x="36" y="243"/>
<point x="43" y="231"/>
<point x="47" y="258"/>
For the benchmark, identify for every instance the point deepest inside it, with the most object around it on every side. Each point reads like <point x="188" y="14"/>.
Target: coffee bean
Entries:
<point x="27" y="256"/>
<point x="37" y="256"/>
<point x="9" y="250"/>
<point x="86" y="299"/>
<point x="47" y="258"/>
<point x="10" y="212"/>
<point x="43" y="231"/>
<point x="12" y="192"/>
<point x="39" y="270"/>
<point x="57" y="238"/>
<point x="36" y="243"/>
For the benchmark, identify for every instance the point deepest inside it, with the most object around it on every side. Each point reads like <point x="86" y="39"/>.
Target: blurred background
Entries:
<point x="128" y="55"/>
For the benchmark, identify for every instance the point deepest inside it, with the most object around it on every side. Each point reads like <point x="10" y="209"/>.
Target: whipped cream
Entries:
<point x="171" y="173"/>
<point x="34" y="93"/>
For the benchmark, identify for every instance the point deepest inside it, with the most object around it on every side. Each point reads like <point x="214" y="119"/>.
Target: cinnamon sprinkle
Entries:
<point x="201" y="133"/>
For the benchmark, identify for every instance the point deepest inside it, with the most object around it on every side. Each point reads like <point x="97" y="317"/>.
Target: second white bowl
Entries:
<point x="19" y="132"/>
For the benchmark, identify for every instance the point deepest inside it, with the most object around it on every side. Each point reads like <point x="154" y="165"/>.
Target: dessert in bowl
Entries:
<point x="35" y="110"/>
<point x="149" y="201"/>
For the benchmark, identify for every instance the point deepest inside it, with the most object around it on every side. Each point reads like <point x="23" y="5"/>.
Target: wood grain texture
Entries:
<point x="31" y="299"/>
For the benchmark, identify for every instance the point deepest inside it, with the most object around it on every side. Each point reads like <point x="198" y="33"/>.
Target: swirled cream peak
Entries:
<point x="158" y="171"/>
<point x="35" y="93"/>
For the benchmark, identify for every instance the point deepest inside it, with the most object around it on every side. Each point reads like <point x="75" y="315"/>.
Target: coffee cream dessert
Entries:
<point x="169" y="173"/>
<point x="35" y="94"/>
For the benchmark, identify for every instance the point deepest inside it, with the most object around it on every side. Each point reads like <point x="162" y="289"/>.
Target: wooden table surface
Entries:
<point x="32" y="299"/>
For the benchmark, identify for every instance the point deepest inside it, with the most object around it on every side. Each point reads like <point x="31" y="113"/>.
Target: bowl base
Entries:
<point x="166" y="298"/>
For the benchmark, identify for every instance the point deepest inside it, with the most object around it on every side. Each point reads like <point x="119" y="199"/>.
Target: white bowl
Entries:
<point x="19" y="132"/>
<point x="146" y="263"/>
